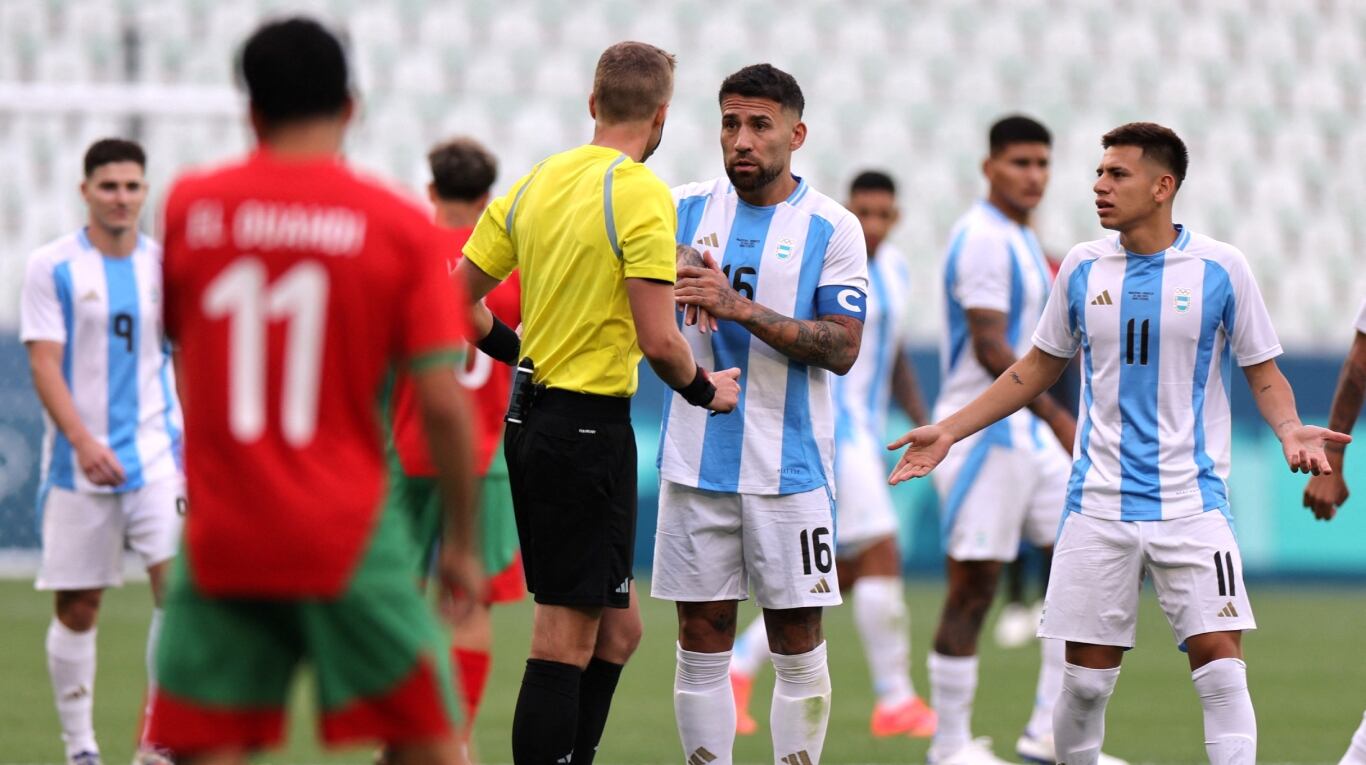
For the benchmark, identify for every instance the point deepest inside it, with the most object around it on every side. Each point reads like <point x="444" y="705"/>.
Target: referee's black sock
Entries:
<point x="547" y="713"/>
<point x="596" y="687"/>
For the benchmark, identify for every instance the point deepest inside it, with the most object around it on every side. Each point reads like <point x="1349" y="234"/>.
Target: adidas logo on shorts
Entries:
<point x="821" y="587"/>
<point x="799" y="758"/>
<point x="1228" y="610"/>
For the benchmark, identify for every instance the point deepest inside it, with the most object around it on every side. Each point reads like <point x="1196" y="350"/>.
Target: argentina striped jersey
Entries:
<point x="863" y="395"/>
<point x="995" y="264"/>
<point x="804" y="257"/>
<point x="1159" y="335"/>
<point x="107" y="314"/>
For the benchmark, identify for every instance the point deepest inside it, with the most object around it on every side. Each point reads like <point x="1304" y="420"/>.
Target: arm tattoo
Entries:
<point x="830" y="342"/>
<point x="1016" y="378"/>
<point x="687" y="255"/>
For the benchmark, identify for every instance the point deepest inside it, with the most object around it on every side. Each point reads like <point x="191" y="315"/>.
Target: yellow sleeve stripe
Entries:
<point x="607" y="214"/>
<point x="441" y="357"/>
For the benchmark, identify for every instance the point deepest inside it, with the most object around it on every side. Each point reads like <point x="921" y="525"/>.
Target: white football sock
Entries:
<point x="953" y="683"/>
<point x="1356" y="753"/>
<point x="704" y="707"/>
<point x="801" y="706"/>
<point x="1079" y="715"/>
<point x="885" y="628"/>
<point x="153" y="637"/>
<point x="1230" y="723"/>
<point x="1053" y="657"/>
<point x="71" y="666"/>
<point x="751" y="648"/>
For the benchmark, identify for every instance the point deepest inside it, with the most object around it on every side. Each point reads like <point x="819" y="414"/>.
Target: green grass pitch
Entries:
<point x="1306" y="671"/>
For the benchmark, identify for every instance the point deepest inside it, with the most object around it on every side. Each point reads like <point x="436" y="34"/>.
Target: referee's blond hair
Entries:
<point x="632" y="81"/>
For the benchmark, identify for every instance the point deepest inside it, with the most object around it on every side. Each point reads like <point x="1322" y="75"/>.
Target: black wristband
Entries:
<point x="700" y="391"/>
<point x="501" y="343"/>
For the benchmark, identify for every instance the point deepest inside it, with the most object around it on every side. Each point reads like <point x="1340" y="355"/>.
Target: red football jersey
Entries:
<point x="293" y="287"/>
<point x="489" y="381"/>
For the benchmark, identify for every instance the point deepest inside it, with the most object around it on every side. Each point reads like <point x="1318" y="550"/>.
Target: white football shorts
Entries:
<point x="714" y="546"/>
<point x="990" y="495"/>
<point x="864" y="511"/>
<point x="1098" y="570"/>
<point x="85" y="533"/>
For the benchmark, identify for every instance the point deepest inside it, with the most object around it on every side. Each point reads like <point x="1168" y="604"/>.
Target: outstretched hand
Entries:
<point x="926" y="448"/>
<point x="1303" y="448"/>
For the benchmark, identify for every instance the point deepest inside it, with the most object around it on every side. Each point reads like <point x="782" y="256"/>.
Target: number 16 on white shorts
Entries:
<point x="713" y="546"/>
<point x="1098" y="570"/>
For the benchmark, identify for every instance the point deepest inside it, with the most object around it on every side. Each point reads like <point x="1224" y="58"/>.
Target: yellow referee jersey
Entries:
<point x="578" y="225"/>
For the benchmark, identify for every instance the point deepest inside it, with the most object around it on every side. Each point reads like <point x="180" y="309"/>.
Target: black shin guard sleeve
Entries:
<point x="595" y="699"/>
<point x="544" y="724"/>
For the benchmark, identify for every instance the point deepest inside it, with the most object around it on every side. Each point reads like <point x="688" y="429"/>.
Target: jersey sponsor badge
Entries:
<point x="1182" y="300"/>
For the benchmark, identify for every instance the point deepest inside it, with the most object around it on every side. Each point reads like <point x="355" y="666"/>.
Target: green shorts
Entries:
<point x="418" y="499"/>
<point x="224" y="665"/>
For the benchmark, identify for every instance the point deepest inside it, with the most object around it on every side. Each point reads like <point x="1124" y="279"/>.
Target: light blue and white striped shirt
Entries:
<point x="107" y="313"/>
<point x="1158" y="334"/>
<point x="863" y="396"/>
<point x="995" y="264"/>
<point x="804" y="257"/>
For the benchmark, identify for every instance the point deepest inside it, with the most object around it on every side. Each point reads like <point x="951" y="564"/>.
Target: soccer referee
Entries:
<point x="592" y="232"/>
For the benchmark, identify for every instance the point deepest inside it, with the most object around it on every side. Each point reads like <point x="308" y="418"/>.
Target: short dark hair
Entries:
<point x="108" y="150"/>
<point x="872" y="180"/>
<point x="1158" y="143"/>
<point x="765" y="81"/>
<point x="1017" y="128"/>
<point x="294" y="69"/>
<point x="462" y="169"/>
<point x="632" y="80"/>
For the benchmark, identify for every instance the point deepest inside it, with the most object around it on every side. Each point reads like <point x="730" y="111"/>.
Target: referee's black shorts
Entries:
<point x="572" y="466"/>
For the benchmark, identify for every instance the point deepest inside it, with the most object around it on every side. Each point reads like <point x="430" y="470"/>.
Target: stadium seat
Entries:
<point x="1269" y="95"/>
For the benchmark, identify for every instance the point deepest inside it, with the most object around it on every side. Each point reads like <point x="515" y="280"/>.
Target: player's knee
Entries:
<point x="619" y="640"/>
<point x="78" y="609"/>
<point x="1212" y="646"/>
<point x="1088" y="687"/>
<point x="793" y="631"/>
<point x="707" y="627"/>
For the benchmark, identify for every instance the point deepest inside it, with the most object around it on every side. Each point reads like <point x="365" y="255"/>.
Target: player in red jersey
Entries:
<point x="463" y="173"/>
<point x="293" y="287"/>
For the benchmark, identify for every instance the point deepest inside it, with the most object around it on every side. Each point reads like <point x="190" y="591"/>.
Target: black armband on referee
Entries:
<point x="501" y="343"/>
<point x="700" y="391"/>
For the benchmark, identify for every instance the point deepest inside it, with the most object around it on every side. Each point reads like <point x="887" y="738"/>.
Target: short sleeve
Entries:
<point x="982" y="273"/>
<point x="490" y="247"/>
<point x="1058" y="332"/>
<point x="432" y="324"/>
<point x="843" y="285"/>
<point x="1361" y="318"/>
<point x="1251" y="336"/>
<point x="642" y="213"/>
<point x="40" y="302"/>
